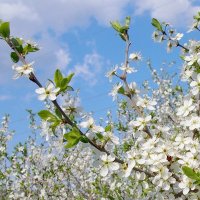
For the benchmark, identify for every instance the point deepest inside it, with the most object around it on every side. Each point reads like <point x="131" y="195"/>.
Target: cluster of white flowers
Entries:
<point x="138" y="154"/>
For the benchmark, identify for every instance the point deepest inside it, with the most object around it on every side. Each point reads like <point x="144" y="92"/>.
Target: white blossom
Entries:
<point x="187" y="107"/>
<point x="49" y="92"/>
<point x="23" y="70"/>
<point x="193" y="122"/>
<point x="195" y="85"/>
<point x="89" y="124"/>
<point x="191" y="59"/>
<point x="140" y="122"/>
<point x="108" y="164"/>
<point x="186" y="185"/>
<point x="128" y="69"/>
<point x="110" y="136"/>
<point x="146" y="103"/>
<point x="157" y="37"/>
<point x="164" y="178"/>
<point x="135" y="56"/>
<point x="111" y="73"/>
<point x="177" y="37"/>
<point x="115" y="90"/>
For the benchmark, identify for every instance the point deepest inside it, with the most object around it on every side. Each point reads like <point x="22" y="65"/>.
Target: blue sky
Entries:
<point x="76" y="36"/>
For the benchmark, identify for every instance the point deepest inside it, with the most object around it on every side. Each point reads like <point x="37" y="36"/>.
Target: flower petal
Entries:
<point x="104" y="171"/>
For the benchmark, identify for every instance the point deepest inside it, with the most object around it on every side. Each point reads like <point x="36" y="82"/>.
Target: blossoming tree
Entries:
<point x="151" y="151"/>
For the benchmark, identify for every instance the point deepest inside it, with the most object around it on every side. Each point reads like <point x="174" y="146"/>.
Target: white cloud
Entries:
<point x="36" y="16"/>
<point x="63" y="59"/>
<point x="18" y="10"/>
<point x="90" y="68"/>
<point x="176" y="12"/>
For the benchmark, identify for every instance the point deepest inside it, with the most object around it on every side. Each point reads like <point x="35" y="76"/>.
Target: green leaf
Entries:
<point x="2" y="176"/>
<point x="156" y="24"/>
<point x="121" y="90"/>
<point x="99" y="135"/>
<point x="69" y="88"/>
<point x="189" y="172"/>
<point x="73" y="134"/>
<point x="84" y="139"/>
<point x="64" y="83"/>
<point x="73" y="138"/>
<point x="126" y="147"/>
<point x="108" y="128"/>
<point x="55" y="124"/>
<point x="112" y="198"/>
<point x="197" y="182"/>
<point x="122" y="36"/>
<point x="58" y="77"/>
<point x="28" y="48"/>
<point x="197" y="17"/>
<point x="47" y="116"/>
<point x="5" y="29"/>
<point x="116" y="25"/>
<point x="71" y="144"/>
<point x="69" y="77"/>
<point x="20" y="49"/>
<point x="15" y="42"/>
<point x="19" y="40"/>
<point x="124" y="29"/>
<point x="127" y="21"/>
<point x="58" y="113"/>
<point x="14" y="57"/>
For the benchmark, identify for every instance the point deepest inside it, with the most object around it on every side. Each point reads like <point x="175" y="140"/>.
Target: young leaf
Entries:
<point x="55" y="124"/>
<point x="189" y="172"/>
<point x="72" y="143"/>
<point x="64" y="83"/>
<point x="20" y="49"/>
<point x="69" y="88"/>
<point x="58" y="113"/>
<point x="197" y="17"/>
<point x="73" y="134"/>
<point x="28" y="48"/>
<point x="123" y="37"/>
<point x="2" y="176"/>
<point x="127" y="21"/>
<point x="84" y="139"/>
<point x="116" y="25"/>
<point x="15" y="42"/>
<point x="5" y="29"/>
<point x="100" y="136"/>
<point x="58" y="77"/>
<point x="121" y="90"/>
<point x="69" y="77"/>
<point x="73" y="138"/>
<point x="124" y="29"/>
<point x="197" y="182"/>
<point x="156" y="24"/>
<point x="47" y="115"/>
<point x="14" y="57"/>
<point x="108" y="128"/>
